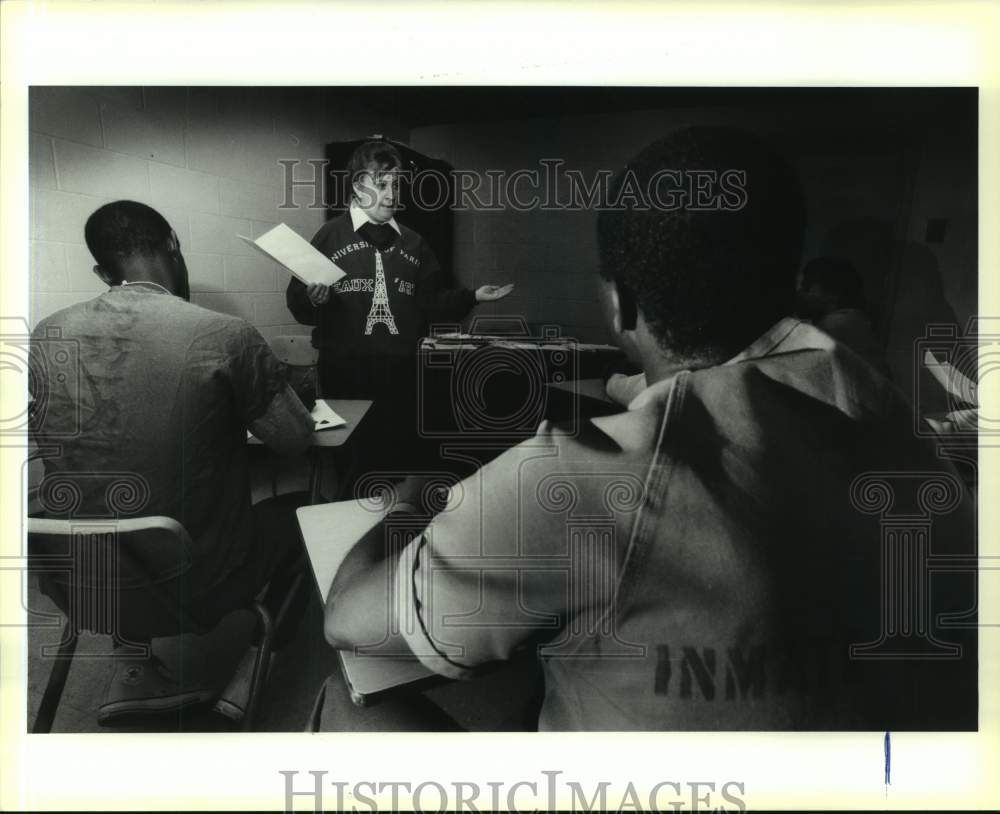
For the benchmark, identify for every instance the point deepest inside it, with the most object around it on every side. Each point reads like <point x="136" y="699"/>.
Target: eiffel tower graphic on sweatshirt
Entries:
<point x="380" y="302"/>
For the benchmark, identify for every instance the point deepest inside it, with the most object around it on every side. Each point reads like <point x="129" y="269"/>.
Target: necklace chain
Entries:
<point x="146" y="282"/>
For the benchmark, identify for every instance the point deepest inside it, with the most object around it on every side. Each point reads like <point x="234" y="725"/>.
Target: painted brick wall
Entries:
<point x="206" y="158"/>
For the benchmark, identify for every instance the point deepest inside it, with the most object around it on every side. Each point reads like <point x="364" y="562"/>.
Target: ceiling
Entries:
<point x="424" y="106"/>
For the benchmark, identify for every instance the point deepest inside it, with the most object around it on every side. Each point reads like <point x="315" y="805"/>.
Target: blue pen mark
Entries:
<point x="888" y="759"/>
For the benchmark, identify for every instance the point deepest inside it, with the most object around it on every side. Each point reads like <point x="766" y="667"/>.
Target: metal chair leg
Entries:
<point x="315" y="476"/>
<point x="273" y="470"/>
<point x="316" y="716"/>
<point x="281" y="617"/>
<point x="259" y="678"/>
<point x="57" y="681"/>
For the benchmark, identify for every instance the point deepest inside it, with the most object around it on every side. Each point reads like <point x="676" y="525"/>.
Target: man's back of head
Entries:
<point x="708" y="251"/>
<point x="131" y="242"/>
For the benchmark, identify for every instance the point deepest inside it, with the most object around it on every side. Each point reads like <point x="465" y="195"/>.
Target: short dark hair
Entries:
<point x="122" y="229"/>
<point x="381" y="155"/>
<point x="835" y="280"/>
<point x="708" y="280"/>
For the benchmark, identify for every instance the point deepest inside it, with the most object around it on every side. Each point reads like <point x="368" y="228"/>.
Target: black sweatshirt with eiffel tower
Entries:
<point x="362" y="323"/>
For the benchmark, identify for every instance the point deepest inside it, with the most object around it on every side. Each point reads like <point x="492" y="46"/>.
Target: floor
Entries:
<point x="297" y="674"/>
<point x="496" y="702"/>
<point x="500" y="701"/>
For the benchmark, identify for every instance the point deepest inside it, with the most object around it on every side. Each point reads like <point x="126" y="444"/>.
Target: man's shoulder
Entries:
<point x="180" y="317"/>
<point x="826" y="400"/>
<point x="204" y="325"/>
<point x="175" y="322"/>
<point x="65" y="320"/>
<point x="202" y="313"/>
<point x="563" y="471"/>
<point x="607" y="444"/>
<point x="796" y="360"/>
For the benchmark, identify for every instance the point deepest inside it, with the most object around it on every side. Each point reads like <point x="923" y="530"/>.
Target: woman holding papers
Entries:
<point x="369" y="323"/>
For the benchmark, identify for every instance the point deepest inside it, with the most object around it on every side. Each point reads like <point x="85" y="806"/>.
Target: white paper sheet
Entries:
<point x="325" y="417"/>
<point x="297" y="255"/>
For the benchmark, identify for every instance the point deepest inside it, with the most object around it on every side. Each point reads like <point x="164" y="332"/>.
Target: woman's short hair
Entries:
<point x="380" y="156"/>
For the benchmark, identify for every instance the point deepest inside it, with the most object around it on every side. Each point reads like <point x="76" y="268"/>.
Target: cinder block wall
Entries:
<point x="206" y="158"/>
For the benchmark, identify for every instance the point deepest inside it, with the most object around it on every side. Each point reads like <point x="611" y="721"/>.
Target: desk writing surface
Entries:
<point x="592" y="388"/>
<point x="351" y="410"/>
<point x="329" y="532"/>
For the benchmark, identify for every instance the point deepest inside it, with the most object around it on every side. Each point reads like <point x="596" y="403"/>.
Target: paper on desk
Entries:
<point x="460" y="341"/>
<point x="325" y="417"/>
<point x="298" y="256"/>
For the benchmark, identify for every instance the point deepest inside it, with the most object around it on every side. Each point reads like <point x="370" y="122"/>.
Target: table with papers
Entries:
<point x="336" y="420"/>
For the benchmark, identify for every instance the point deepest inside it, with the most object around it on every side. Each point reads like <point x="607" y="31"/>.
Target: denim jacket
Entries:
<point x="759" y="545"/>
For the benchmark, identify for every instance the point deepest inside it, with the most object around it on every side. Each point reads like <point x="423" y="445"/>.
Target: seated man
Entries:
<point x="831" y="294"/>
<point x="709" y="559"/>
<point x="161" y="397"/>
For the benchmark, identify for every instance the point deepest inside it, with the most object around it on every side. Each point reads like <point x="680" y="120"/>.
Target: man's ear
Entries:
<point x="106" y="276"/>
<point x="619" y="307"/>
<point x="626" y="311"/>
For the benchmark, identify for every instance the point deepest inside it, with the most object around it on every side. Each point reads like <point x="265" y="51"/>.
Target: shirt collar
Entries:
<point x="141" y="286"/>
<point x="359" y="218"/>
<point x="785" y="336"/>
